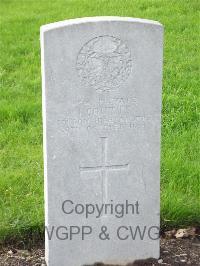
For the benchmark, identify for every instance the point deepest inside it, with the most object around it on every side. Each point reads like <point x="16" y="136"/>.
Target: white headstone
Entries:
<point x="102" y="81"/>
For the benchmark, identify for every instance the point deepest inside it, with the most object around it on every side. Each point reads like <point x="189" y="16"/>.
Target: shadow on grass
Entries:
<point x="28" y="238"/>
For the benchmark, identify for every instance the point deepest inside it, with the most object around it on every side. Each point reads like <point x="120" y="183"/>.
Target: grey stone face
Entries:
<point x="101" y="114"/>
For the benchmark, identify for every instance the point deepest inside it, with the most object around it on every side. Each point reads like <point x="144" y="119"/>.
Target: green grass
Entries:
<point x="21" y="165"/>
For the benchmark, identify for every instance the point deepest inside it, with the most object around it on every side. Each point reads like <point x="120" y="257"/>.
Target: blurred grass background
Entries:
<point x="21" y="165"/>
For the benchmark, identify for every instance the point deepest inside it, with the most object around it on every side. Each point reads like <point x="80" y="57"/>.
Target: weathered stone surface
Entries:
<point x="101" y="113"/>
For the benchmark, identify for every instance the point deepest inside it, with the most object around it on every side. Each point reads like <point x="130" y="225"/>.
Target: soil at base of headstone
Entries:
<point x="173" y="252"/>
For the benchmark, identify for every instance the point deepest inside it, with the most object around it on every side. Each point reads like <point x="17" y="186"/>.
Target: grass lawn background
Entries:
<point x="21" y="165"/>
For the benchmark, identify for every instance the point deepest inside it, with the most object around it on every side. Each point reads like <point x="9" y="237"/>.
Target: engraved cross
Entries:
<point x="104" y="168"/>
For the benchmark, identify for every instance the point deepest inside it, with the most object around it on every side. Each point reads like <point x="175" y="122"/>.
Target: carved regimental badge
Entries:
<point x="104" y="63"/>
